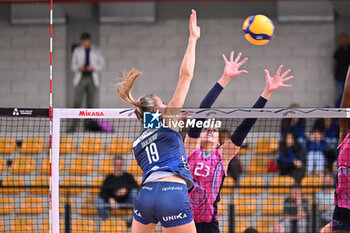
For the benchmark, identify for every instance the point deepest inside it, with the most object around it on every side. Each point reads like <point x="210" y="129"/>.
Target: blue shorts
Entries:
<point x="164" y="202"/>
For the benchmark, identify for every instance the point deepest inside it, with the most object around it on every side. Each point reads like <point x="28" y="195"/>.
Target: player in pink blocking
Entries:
<point x="208" y="159"/>
<point x="341" y="215"/>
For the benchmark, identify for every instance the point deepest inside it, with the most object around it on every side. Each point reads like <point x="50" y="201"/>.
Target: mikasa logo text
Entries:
<point x="88" y="113"/>
<point x="174" y="217"/>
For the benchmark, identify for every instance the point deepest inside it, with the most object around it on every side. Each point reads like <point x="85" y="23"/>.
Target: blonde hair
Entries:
<point x="143" y="104"/>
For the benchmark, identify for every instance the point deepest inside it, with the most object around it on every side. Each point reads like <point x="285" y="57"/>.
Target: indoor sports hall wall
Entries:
<point x="24" y="65"/>
<point x="157" y="50"/>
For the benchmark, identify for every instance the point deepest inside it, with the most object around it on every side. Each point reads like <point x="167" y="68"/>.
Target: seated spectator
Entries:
<point x="325" y="200"/>
<point x="295" y="211"/>
<point x="329" y="128"/>
<point x="118" y="188"/>
<point x="316" y="149"/>
<point x="295" y="126"/>
<point x="289" y="162"/>
<point x="235" y="168"/>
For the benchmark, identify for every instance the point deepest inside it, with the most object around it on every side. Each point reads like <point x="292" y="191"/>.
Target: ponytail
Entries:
<point x="124" y="87"/>
<point x="145" y="103"/>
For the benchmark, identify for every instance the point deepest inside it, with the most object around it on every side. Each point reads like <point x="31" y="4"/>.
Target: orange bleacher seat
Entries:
<point x="83" y="226"/>
<point x="96" y="182"/>
<point x="311" y="180"/>
<point x="114" y="225"/>
<point x="245" y="206"/>
<point x="32" y="205"/>
<point x="229" y="181"/>
<point x="240" y="225"/>
<point x="134" y="168"/>
<point x="22" y="225"/>
<point x="44" y="228"/>
<point x="252" y="181"/>
<point x="40" y="181"/>
<point x="118" y="212"/>
<point x="81" y="166"/>
<point x="23" y="165"/>
<point x="266" y="145"/>
<point x="264" y="224"/>
<point x="33" y="145"/>
<point x="243" y="151"/>
<point x="88" y="207"/>
<point x="3" y="166"/>
<point x="12" y="181"/>
<point x="63" y="202"/>
<point x="2" y="226"/>
<point x="67" y="145"/>
<point x="119" y="146"/>
<point x="7" y="205"/>
<point x="106" y="166"/>
<point x="222" y="207"/>
<point x="259" y="165"/>
<point x="7" y="145"/>
<point x="273" y="206"/>
<point x="45" y="166"/>
<point x="281" y="181"/>
<point x="91" y="146"/>
<point x="72" y="181"/>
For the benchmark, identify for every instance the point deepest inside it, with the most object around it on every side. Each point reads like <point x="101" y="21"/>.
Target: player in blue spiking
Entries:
<point x="161" y="154"/>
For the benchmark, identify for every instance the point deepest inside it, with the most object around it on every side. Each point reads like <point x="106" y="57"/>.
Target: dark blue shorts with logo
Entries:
<point x="164" y="202"/>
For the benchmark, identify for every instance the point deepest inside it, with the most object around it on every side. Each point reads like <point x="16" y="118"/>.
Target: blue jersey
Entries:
<point x="162" y="150"/>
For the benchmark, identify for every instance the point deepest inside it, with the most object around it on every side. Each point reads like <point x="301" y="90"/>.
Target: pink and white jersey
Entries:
<point x="342" y="192"/>
<point x="208" y="175"/>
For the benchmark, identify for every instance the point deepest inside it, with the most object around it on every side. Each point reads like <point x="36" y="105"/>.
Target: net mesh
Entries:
<point x="24" y="172"/>
<point x="257" y="192"/>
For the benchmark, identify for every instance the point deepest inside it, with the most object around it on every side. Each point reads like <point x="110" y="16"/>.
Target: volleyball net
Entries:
<point x="91" y="144"/>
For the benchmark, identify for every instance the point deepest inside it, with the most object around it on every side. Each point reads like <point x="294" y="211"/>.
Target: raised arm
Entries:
<point x="231" y="147"/>
<point x="186" y="70"/>
<point x="345" y="103"/>
<point x="192" y="139"/>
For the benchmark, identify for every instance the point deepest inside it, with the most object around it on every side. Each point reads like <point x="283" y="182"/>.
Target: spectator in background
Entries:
<point x="341" y="59"/>
<point x="329" y="127"/>
<point x="295" y="211"/>
<point x="87" y="62"/>
<point x="295" y="126"/>
<point x="118" y="188"/>
<point x="289" y="161"/>
<point x="325" y="200"/>
<point x="316" y="148"/>
<point x="235" y="168"/>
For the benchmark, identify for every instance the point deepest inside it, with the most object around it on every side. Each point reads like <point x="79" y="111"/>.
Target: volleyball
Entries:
<point x="258" y="29"/>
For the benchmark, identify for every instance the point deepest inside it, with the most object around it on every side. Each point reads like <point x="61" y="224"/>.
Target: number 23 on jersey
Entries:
<point x="202" y="170"/>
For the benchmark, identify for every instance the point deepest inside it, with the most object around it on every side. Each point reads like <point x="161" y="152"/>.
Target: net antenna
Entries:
<point x="50" y="115"/>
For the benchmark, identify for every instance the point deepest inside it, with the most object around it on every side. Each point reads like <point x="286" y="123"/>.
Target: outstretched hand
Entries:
<point x="277" y="81"/>
<point x="195" y="31"/>
<point x="231" y="66"/>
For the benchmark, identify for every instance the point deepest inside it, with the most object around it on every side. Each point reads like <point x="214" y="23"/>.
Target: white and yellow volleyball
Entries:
<point x="258" y="29"/>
